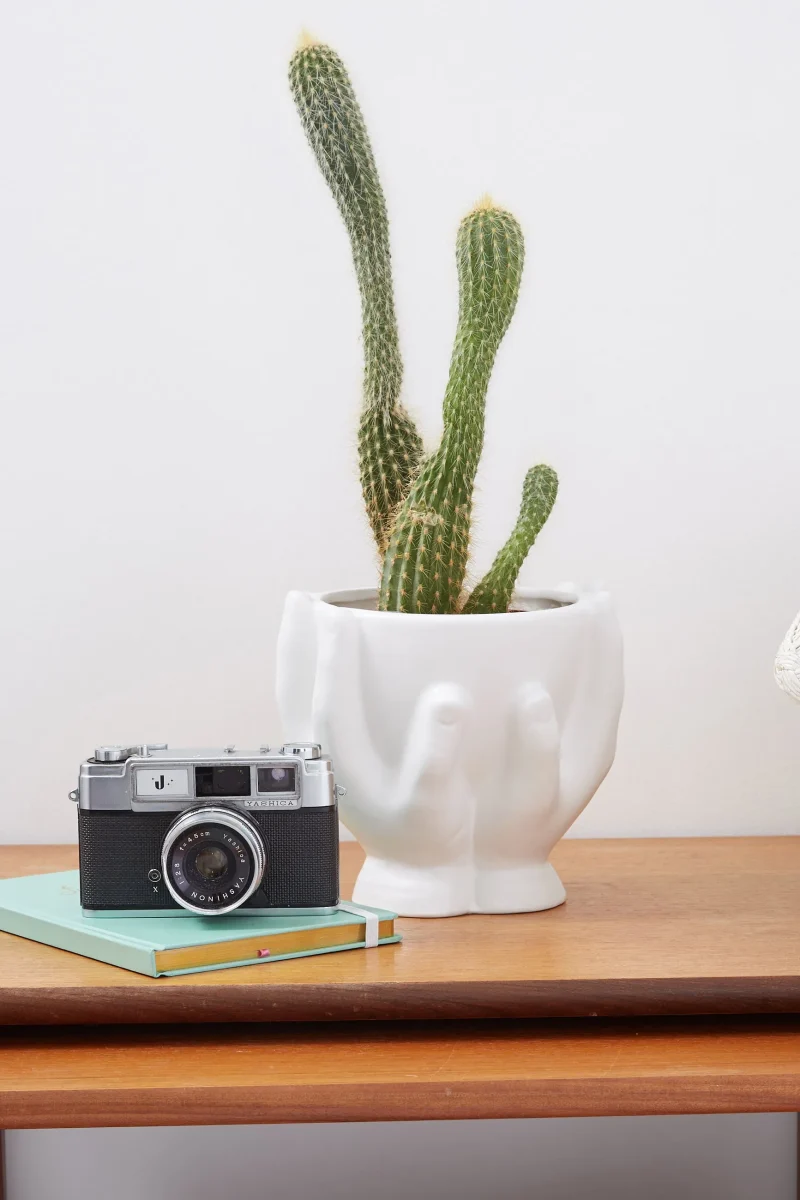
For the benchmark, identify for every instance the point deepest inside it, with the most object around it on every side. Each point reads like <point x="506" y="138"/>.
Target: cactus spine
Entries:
<point x="493" y="593"/>
<point x="419" y="510"/>
<point x="389" y="445"/>
<point x="426" y="559"/>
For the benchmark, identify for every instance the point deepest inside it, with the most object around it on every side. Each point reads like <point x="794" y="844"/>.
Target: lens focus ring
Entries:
<point x="240" y="828"/>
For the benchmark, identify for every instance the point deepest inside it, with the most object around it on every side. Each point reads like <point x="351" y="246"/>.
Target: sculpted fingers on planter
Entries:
<point x="534" y="775"/>
<point x="434" y="735"/>
<point x="418" y="844"/>
<point x="428" y="799"/>
<point x="419" y="813"/>
<point x="382" y="802"/>
<point x="534" y="769"/>
<point x="514" y="822"/>
<point x="515" y="832"/>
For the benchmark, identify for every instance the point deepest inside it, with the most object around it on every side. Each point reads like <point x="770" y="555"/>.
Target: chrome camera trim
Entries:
<point x="110" y="780"/>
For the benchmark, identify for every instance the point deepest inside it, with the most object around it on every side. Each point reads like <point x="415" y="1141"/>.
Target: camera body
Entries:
<point x="207" y="832"/>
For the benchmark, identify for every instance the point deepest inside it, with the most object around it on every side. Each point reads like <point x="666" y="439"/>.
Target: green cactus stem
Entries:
<point x="426" y="559"/>
<point x="389" y="446"/>
<point x="420" y="511"/>
<point x="493" y="593"/>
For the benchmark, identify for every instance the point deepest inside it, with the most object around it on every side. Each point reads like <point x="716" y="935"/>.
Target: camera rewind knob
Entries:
<point x="115" y="754"/>
<point x="112" y="754"/>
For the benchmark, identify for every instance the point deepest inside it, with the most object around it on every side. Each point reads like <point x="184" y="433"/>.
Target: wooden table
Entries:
<point x="681" y="959"/>
<point x="651" y="927"/>
<point x="399" y="1071"/>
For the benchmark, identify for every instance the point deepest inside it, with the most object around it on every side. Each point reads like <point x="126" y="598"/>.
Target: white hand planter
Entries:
<point x="468" y="744"/>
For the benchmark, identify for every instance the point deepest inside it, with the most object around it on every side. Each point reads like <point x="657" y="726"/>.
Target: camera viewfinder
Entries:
<point x="276" y="779"/>
<point x="222" y="781"/>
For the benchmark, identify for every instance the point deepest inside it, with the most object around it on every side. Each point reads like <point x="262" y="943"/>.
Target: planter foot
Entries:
<point x="451" y="891"/>
<point x="414" y="891"/>
<point x="529" y="888"/>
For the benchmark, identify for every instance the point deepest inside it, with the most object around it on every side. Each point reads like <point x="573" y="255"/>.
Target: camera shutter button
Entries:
<point x="302" y="749"/>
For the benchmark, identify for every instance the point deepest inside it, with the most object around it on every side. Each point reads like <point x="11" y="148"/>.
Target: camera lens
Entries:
<point x="212" y="859"/>
<point x="211" y="862"/>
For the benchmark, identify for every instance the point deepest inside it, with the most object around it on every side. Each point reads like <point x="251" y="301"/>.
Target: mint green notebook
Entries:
<point x="46" y="908"/>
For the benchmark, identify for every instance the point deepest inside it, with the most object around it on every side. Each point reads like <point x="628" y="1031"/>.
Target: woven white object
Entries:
<point x="787" y="661"/>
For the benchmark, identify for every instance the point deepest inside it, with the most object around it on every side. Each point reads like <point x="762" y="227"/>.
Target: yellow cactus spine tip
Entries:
<point x="306" y="40"/>
<point x="486" y="202"/>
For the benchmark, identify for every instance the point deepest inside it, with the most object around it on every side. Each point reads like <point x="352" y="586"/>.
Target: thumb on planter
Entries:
<point x="534" y="775"/>
<point x="338" y="718"/>
<point x="428" y="793"/>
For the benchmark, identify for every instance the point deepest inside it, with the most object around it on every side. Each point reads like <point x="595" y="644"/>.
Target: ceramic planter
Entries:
<point x="467" y="744"/>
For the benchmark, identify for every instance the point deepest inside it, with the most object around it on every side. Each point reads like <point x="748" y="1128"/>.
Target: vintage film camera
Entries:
<point x="207" y="832"/>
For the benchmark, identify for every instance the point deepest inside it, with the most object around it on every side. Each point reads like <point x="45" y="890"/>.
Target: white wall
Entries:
<point x="179" y="361"/>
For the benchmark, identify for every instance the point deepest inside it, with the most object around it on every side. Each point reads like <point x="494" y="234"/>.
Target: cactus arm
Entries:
<point x="494" y="592"/>
<point x="426" y="559"/>
<point x="389" y="446"/>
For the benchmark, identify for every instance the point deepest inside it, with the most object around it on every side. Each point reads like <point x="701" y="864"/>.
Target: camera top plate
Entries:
<point x="154" y="778"/>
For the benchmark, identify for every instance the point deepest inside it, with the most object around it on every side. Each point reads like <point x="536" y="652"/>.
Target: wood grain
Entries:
<point x="396" y="1071"/>
<point x="652" y="926"/>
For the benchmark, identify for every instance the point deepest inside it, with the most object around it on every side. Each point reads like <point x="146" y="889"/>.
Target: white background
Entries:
<point x="180" y="370"/>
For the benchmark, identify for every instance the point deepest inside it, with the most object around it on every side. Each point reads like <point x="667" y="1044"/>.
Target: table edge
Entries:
<point x="449" y="1000"/>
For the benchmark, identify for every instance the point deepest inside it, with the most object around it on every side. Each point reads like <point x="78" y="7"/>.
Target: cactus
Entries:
<point x="389" y="445"/>
<point x="426" y="559"/>
<point x="493" y="593"/>
<point x="420" y="511"/>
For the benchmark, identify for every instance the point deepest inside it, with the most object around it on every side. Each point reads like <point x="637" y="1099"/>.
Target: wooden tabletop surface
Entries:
<point x="382" y="1071"/>
<point x="652" y="926"/>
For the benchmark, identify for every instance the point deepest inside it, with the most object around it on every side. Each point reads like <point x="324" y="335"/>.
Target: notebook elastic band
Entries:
<point x="371" y="922"/>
